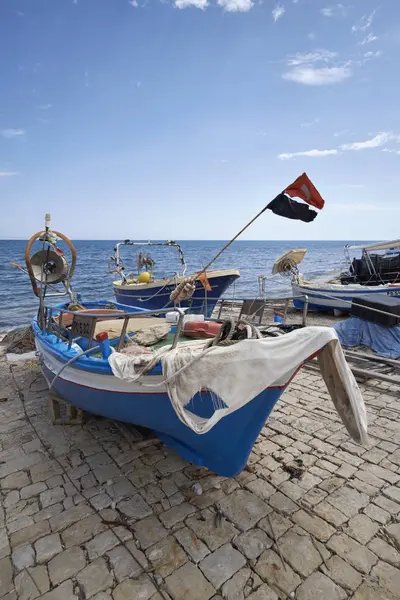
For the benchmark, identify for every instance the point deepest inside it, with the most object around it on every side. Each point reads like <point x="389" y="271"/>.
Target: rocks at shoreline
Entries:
<point x="19" y="340"/>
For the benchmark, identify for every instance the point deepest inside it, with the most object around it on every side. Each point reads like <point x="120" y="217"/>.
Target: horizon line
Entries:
<point x="19" y="239"/>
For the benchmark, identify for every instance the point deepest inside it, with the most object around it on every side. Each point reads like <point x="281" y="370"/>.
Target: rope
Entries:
<point x="172" y="280"/>
<point x="252" y="334"/>
<point x="183" y="291"/>
<point x="230" y="242"/>
<point x="229" y="342"/>
<point x="73" y="359"/>
<point x="208" y="265"/>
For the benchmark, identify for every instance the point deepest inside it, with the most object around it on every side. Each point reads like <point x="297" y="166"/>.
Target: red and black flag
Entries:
<point x="302" y="188"/>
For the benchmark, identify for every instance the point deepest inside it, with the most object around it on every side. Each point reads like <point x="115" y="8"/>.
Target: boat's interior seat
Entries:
<point x="114" y="326"/>
<point x="67" y="318"/>
<point x="147" y="330"/>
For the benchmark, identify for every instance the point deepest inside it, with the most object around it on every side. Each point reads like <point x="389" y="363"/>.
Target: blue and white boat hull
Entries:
<point x="224" y="449"/>
<point x="246" y="380"/>
<point x="156" y="295"/>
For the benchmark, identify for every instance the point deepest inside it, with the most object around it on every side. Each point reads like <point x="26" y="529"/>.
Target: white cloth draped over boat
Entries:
<point x="238" y="373"/>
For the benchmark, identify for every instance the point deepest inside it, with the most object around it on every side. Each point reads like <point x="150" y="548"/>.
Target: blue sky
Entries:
<point x="182" y="118"/>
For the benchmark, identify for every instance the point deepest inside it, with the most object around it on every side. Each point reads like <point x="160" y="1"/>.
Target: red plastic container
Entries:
<point x="201" y="329"/>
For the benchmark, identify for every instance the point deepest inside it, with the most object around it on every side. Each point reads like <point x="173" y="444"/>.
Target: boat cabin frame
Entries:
<point x="365" y="251"/>
<point x="116" y="263"/>
<point x="83" y="325"/>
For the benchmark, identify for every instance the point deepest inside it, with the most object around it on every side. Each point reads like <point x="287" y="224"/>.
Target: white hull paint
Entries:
<point x="107" y="383"/>
<point x="338" y="297"/>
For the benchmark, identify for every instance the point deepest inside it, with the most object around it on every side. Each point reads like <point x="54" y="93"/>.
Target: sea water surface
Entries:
<point x="252" y="258"/>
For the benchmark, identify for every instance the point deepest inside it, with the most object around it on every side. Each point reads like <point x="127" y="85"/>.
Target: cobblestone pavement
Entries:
<point x="90" y="514"/>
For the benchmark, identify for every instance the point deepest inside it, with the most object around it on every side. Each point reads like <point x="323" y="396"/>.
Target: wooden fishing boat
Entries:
<point x="141" y="288"/>
<point x="208" y="399"/>
<point x="373" y="273"/>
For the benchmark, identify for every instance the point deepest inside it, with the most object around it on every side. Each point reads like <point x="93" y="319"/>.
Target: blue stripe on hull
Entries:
<point x="299" y="304"/>
<point x="200" y="301"/>
<point x="224" y="450"/>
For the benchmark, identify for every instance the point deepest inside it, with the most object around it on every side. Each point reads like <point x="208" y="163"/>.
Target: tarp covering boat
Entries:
<point x="385" y="341"/>
<point x="238" y="373"/>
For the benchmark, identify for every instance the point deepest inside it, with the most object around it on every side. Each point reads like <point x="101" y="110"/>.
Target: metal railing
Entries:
<point x="257" y="306"/>
<point x="83" y="325"/>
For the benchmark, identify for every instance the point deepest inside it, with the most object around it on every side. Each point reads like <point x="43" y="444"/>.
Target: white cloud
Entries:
<point x="133" y="3"/>
<point x="278" y="12"/>
<point x="311" y="36"/>
<point x="310" y="123"/>
<point x="391" y="150"/>
<point x="365" y="23"/>
<point x="310" y="153"/>
<point x="333" y="11"/>
<point x="341" y="132"/>
<point x="236" y="5"/>
<point x="8" y="173"/>
<point x="376" y="54"/>
<point x="45" y="106"/>
<point x="310" y="57"/>
<point x="304" y="70"/>
<point x="380" y="139"/>
<point x="368" y="39"/>
<point x="12" y="133"/>
<point x="321" y="76"/>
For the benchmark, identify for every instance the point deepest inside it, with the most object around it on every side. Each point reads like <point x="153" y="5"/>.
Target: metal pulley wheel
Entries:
<point x="54" y="267"/>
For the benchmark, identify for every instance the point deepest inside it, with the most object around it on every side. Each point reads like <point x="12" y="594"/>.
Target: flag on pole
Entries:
<point x="302" y="188"/>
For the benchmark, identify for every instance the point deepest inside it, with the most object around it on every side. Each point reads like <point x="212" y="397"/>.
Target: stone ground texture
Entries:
<point x="92" y="514"/>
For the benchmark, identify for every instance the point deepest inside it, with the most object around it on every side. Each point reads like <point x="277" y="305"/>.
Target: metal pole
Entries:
<point x="285" y="310"/>
<point x="305" y="310"/>
<point x="372" y="357"/>
<point x="123" y="332"/>
<point x="178" y="327"/>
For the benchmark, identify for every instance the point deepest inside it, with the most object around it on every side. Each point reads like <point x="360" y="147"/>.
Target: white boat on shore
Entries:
<point x="335" y="296"/>
<point x="373" y="273"/>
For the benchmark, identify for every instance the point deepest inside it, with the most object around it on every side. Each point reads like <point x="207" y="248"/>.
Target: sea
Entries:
<point x="253" y="258"/>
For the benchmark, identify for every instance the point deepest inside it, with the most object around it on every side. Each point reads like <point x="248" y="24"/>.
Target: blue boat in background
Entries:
<point x="144" y="290"/>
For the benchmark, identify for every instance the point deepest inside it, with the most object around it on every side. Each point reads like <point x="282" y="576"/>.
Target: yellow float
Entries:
<point x="144" y="277"/>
